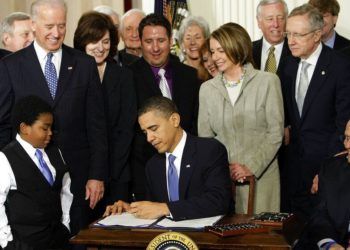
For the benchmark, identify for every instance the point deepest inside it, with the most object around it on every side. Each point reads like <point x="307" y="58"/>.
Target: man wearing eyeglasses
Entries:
<point x="316" y="86"/>
<point x="330" y="10"/>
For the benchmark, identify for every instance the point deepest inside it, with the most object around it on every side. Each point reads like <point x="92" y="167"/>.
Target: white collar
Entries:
<point x="178" y="151"/>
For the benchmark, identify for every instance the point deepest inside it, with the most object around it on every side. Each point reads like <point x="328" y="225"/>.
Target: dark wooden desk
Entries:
<point x="139" y="239"/>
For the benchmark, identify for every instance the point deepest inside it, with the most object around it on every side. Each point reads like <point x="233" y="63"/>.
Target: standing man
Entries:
<point x="330" y="11"/>
<point x="16" y="31"/>
<point x="157" y="73"/>
<point x="316" y="83"/>
<point x="68" y="80"/>
<point x="272" y="48"/>
<point x="129" y="31"/>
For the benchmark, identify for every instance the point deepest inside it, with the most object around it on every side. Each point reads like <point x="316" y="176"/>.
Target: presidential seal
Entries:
<point x="172" y="241"/>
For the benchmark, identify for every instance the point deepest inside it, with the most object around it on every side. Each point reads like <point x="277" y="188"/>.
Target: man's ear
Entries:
<point x="175" y="119"/>
<point x="6" y="37"/>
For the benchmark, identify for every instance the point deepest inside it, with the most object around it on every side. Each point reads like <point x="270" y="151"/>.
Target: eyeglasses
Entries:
<point x="297" y="35"/>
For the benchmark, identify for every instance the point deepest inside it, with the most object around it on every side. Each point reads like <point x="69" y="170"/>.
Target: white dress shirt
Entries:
<point x="178" y="151"/>
<point x="42" y="57"/>
<point x="312" y="60"/>
<point x="8" y="182"/>
<point x="265" y="53"/>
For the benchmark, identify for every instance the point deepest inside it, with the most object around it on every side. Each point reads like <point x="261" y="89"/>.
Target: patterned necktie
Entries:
<point x="43" y="167"/>
<point x="303" y="85"/>
<point x="163" y="84"/>
<point x="173" y="180"/>
<point x="51" y="75"/>
<point x="270" y="65"/>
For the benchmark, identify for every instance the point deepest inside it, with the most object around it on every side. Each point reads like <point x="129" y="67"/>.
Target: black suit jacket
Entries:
<point x="315" y="135"/>
<point x="120" y="105"/>
<point x="257" y="47"/>
<point x="4" y="53"/>
<point x="185" y="96"/>
<point x="332" y="216"/>
<point x="125" y="59"/>
<point x="340" y="42"/>
<point x="79" y="121"/>
<point x="204" y="184"/>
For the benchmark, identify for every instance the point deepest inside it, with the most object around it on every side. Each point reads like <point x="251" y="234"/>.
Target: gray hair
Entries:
<point x="6" y="25"/>
<point x="105" y="9"/>
<point x="314" y="15"/>
<point x="129" y="13"/>
<point x="52" y="3"/>
<point x="193" y="20"/>
<point x="267" y="2"/>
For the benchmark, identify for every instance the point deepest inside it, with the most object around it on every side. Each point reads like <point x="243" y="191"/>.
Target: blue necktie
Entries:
<point x="43" y="167"/>
<point x="51" y="75"/>
<point x="173" y="180"/>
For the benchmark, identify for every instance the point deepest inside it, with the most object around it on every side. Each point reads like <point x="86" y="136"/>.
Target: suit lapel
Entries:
<point x="257" y="53"/>
<point x="149" y="78"/>
<point x="32" y="70"/>
<point x="318" y="79"/>
<point x="292" y="71"/>
<point x="66" y="70"/>
<point x="187" y="166"/>
<point x="163" y="188"/>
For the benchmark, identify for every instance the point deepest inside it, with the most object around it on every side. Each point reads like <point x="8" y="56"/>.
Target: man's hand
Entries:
<point x="94" y="190"/>
<point x="239" y="172"/>
<point x="149" y="210"/>
<point x="314" y="187"/>
<point x="117" y="208"/>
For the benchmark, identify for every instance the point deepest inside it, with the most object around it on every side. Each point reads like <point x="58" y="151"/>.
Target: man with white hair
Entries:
<point x="16" y="31"/>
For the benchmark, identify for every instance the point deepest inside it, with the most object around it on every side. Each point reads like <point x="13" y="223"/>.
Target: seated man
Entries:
<point x="328" y="228"/>
<point x="188" y="179"/>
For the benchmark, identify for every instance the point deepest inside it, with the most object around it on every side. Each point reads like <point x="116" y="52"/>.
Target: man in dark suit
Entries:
<point x="316" y="85"/>
<point x="68" y="80"/>
<point x="179" y="80"/>
<point x="271" y="17"/>
<point x="4" y="53"/>
<point x="329" y="225"/>
<point x="188" y="178"/>
<point x="330" y="11"/>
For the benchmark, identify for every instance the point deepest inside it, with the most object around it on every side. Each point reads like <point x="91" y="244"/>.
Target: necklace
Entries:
<point x="231" y="84"/>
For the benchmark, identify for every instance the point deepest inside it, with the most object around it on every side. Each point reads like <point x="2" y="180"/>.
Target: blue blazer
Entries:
<point x="204" y="184"/>
<point x="79" y="121"/>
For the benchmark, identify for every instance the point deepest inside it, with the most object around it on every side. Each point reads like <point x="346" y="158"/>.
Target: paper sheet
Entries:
<point x="196" y="223"/>
<point x="124" y="219"/>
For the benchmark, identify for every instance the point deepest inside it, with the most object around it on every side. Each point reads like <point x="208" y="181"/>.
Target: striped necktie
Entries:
<point x="270" y="65"/>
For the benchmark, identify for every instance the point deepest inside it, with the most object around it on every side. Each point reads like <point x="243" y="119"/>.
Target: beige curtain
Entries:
<point x="75" y="9"/>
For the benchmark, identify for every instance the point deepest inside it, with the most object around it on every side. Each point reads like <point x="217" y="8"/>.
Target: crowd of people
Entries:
<point x="155" y="134"/>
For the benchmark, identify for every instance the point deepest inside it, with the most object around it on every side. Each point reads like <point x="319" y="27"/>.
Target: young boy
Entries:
<point x="35" y="193"/>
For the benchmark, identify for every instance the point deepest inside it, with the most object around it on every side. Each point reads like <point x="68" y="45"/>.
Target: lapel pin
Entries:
<point x="188" y="166"/>
<point x="323" y="72"/>
<point x="70" y="68"/>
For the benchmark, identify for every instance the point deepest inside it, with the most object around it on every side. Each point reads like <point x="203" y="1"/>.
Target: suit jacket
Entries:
<point x="120" y="105"/>
<point x="315" y="135"/>
<point x="340" y="42"/>
<point x="257" y="48"/>
<point x="251" y="131"/>
<point x="204" y="183"/>
<point x="346" y="51"/>
<point x="79" y="122"/>
<point x="332" y="216"/>
<point x="125" y="59"/>
<point x="185" y="96"/>
<point x="4" y="53"/>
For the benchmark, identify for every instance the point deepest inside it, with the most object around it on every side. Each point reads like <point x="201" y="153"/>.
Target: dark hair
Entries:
<point x="235" y="42"/>
<point x="92" y="26"/>
<point x="331" y="6"/>
<point x="155" y="20"/>
<point x="160" y="104"/>
<point x="27" y="110"/>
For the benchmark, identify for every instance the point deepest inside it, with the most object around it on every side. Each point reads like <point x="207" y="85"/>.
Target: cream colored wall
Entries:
<point x="216" y="12"/>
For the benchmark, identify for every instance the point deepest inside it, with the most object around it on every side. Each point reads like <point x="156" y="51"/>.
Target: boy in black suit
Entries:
<point x="35" y="193"/>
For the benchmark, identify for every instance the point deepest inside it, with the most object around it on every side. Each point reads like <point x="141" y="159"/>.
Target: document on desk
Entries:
<point x="124" y="220"/>
<point x="188" y="224"/>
